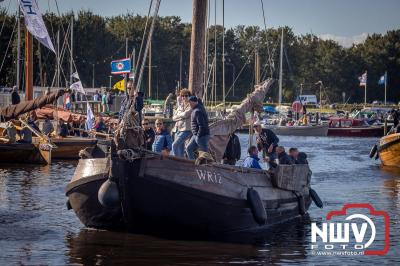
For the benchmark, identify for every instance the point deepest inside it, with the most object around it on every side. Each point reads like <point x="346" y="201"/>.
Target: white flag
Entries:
<point x="78" y="87"/>
<point x="34" y="22"/>
<point x="89" y="118"/>
<point x="75" y="75"/>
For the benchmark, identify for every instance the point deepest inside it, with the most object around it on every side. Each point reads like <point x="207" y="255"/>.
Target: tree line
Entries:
<point x="307" y="58"/>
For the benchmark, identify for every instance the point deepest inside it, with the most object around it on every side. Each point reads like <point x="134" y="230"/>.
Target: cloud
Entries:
<point x="345" y="41"/>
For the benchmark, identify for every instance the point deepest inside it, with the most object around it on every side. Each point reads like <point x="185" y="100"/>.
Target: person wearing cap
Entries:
<point x="15" y="99"/>
<point x="199" y="127"/>
<point x="266" y="140"/>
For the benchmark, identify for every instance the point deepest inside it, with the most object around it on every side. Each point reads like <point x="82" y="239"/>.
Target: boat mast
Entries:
<point x="58" y="59"/>
<point x="280" y="71"/>
<point x="28" y="66"/>
<point x="71" y="63"/>
<point x="223" y="52"/>
<point x="18" y="48"/>
<point x="180" y="70"/>
<point x="196" y="66"/>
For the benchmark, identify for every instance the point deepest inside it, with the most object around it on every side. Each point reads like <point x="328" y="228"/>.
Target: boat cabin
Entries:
<point x="339" y="122"/>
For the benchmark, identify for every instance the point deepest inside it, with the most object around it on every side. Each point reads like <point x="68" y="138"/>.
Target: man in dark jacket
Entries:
<point x="139" y="104"/>
<point x="15" y="99"/>
<point x="298" y="157"/>
<point x="149" y="134"/>
<point x="233" y="150"/>
<point x="266" y="140"/>
<point x="199" y="128"/>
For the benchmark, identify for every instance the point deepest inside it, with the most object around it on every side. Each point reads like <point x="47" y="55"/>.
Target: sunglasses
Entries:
<point x="145" y="124"/>
<point x="159" y="124"/>
<point x="186" y="96"/>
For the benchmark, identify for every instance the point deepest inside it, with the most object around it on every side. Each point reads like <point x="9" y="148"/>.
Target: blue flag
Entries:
<point x="121" y="66"/>
<point x="382" y="80"/>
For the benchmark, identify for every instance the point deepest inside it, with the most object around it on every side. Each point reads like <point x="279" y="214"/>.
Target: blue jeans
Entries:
<point x="197" y="142"/>
<point x="178" y="147"/>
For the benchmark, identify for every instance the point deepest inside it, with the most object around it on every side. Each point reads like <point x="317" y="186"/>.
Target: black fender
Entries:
<point x="373" y="150"/>
<point x="256" y="206"/>
<point x="316" y="199"/>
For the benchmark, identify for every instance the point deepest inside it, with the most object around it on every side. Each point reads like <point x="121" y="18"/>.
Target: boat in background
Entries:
<point x="349" y="127"/>
<point x="26" y="153"/>
<point x="308" y="130"/>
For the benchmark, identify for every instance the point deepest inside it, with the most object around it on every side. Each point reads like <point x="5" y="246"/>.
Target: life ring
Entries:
<point x="373" y="151"/>
<point x="316" y="199"/>
<point x="256" y="206"/>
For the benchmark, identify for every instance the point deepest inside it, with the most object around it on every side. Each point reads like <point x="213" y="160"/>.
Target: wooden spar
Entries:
<point x="28" y="66"/>
<point x="196" y="66"/>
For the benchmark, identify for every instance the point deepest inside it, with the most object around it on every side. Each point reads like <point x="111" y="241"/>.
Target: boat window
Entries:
<point x="335" y="123"/>
<point x="346" y="123"/>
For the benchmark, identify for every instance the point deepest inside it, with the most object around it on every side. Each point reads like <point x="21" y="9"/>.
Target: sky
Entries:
<point x="345" y="21"/>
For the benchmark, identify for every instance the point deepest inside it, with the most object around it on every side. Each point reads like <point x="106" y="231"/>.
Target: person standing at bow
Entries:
<point x="267" y="141"/>
<point x="182" y="124"/>
<point x="199" y="127"/>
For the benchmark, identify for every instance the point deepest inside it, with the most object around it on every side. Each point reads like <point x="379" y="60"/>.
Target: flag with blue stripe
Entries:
<point x="121" y="66"/>
<point x="382" y="80"/>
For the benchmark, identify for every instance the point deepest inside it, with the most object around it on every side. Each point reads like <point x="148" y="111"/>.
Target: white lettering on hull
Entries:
<point x="209" y="177"/>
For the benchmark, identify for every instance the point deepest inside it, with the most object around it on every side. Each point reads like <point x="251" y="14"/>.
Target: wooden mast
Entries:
<point x="196" y="66"/>
<point x="28" y="66"/>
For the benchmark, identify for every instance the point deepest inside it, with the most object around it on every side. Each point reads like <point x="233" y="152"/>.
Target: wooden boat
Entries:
<point x="205" y="199"/>
<point x="25" y="153"/>
<point x="69" y="147"/>
<point x="349" y="127"/>
<point x="310" y="130"/>
<point x="389" y="150"/>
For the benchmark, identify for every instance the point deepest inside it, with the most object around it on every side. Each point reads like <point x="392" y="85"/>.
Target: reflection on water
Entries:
<point x="36" y="228"/>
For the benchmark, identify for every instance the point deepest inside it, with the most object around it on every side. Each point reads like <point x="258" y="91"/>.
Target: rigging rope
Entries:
<point x="144" y="35"/>
<point x="266" y="38"/>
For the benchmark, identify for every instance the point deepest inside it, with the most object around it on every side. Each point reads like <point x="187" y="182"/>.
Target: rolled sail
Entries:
<point x="13" y="111"/>
<point x="221" y="129"/>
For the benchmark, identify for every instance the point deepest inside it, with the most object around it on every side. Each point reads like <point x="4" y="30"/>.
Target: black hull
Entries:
<point x="155" y="206"/>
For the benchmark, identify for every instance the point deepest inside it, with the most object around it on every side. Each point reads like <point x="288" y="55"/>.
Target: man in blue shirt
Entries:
<point x="251" y="161"/>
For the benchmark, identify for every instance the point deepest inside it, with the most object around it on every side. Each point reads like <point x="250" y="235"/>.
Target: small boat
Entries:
<point x="309" y="130"/>
<point x="68" y="148"/>
<point x="349" y="127"/>
<point x="388" y="150"/>
<point x="26" y="153"/>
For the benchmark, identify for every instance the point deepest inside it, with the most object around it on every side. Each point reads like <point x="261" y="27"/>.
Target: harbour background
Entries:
<point x="36" y="227"/>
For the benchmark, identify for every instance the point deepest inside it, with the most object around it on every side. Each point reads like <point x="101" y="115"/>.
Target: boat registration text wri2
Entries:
<point x="208" y="176"/>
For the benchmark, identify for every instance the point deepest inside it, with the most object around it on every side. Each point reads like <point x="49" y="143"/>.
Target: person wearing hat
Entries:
<point x="266" y="140"/>
<point x="199" y="128"/>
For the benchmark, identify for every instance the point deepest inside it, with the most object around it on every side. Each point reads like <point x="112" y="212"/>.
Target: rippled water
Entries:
<point x="36" y="227"/>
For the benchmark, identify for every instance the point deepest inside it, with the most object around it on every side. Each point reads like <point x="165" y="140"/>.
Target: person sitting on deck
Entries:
<point x="149" y="134"/>
<point x="298" y="157"/>
<point x="233" y="150"/>
<point x="251" y="161"/>
<point x="32" y="121"/>
<point x="283" y="157"/>
<point x="63" y="129"/>
<point x="101" y="126"/>
<point x="163" y="140"/>
<point x="47" y="127"/>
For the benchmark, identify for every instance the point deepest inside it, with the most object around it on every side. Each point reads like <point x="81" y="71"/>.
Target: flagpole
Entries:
<point x="365" y="93"/>
<point x="385" y="85"/>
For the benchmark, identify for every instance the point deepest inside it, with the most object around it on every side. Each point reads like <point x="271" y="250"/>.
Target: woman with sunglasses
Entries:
<point x="163" y="140"/>
<point x="182" y="124"/>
